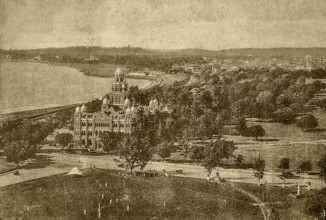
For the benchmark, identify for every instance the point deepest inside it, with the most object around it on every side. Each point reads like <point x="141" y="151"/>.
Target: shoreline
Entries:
<point x="14" y="114"/>
<point x="81" y="67"/>
<point x="33" y="113"/>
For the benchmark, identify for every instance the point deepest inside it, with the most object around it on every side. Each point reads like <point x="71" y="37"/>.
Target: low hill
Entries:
<point x="83" y="51"/>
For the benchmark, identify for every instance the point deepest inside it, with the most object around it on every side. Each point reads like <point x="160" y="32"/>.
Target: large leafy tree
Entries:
<point x="22" y="142"/>
<point x="63" y="139"/>
<point x="284" y="115"/>
<point x="111" y="141"/>
<point x="307" y="122"/>
<point x="215" y="151"/>
<point x="136" y="150"/>
<point x="284" y="164"/>
<point x="256" y="131"/>
<point x="20" y="150"/>
<point x="305" y="166"/>
<point x="31" y="132"/>
<point x="94" y="105"/>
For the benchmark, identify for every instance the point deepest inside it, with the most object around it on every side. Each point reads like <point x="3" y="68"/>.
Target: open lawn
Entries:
<point x="63" y="197"/>
<point x="285" y="140"/>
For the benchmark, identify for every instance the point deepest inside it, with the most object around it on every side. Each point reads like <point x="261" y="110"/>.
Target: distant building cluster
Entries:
<point x="91" y="58"/>
<point x="307" y="62"/>
<point x="144" y="72"/>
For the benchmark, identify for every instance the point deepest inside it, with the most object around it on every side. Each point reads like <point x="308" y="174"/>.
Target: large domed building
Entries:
<point x="117" y="114"/>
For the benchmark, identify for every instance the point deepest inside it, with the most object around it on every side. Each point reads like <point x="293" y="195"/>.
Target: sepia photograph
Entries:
<point x="163" y="109"/>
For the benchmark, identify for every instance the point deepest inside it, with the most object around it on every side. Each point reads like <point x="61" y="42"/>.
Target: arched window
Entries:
<point x="96" y="133"/>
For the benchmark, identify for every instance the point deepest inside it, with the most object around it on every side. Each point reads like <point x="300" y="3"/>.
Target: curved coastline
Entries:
<point x="30" y="85"/>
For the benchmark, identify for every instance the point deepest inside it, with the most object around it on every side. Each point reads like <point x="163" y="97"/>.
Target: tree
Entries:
<point x="283" y="101"/>
<point x="265" y="97"/>
<point x="34" y="133"/>
<point x="135" y="150"/>
<point x="322" y="165"/>
<point x="63" y="139"/>
<point x="188" y="132"/>
<point x="19" y="150"/>
<point x="256" y="131"/>
<point x="305" y="166"/>
<point x="207" y="125"/>
<point x="24" y="140"/>
<point x="239" y="159"/>
<point x="284" y="115"/>
<point x="111" y="141"/>
<point x="94" y="105"/>
<point x="259" y="167"/>
<point x="164" y="150"/>
<point x="284" y="164"/>
<point x="64" y="115"/>
<point x="215" y="151"/>
<point x="296" y="107"/>
<point x="242" y="126"/>
<point x="198" y="153"/>
<point x="307" y="122"/>
<point x="206" y="99"/>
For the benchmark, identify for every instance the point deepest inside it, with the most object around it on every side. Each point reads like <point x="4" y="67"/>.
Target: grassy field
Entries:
<point x="63" y="197"/>
<point x="278" y="199"/>
<point x="285" y="141"/>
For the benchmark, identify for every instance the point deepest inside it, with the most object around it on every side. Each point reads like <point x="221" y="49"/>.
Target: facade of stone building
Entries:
<point x="116" y="115"/>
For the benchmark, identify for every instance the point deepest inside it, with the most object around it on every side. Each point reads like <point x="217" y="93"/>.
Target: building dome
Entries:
<point x="133" y="109"/>
<point x="105" y="101"/>
<point x="127" y="110"/>
<point x="77" y="109"/>
<point x="83" y="108"/>
<point x="118" y="72"/>
<point x="127" y="101"/>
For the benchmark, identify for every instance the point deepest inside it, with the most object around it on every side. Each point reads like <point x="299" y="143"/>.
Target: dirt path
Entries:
<point x="57" y="163"/>
<point x="264" y="209"/>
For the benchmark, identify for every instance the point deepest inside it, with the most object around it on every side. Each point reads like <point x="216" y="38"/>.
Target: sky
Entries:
<point x="163" y="24"/>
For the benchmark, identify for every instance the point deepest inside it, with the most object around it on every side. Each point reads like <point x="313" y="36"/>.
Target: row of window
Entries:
<point x="97" y="133"/>
<point x="104" y="125"/>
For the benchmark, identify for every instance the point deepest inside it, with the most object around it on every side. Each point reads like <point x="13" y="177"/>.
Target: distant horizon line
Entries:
<point x="167" y="49"/>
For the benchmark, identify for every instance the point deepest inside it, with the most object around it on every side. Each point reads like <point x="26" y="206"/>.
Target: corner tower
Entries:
<point x="119" y="89"/>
